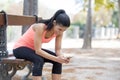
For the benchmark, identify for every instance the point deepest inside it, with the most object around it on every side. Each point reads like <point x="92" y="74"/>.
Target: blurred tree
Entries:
<point x="118" y="19"/>
<point x="30" y="8"/>
<point x="88" y="28"/>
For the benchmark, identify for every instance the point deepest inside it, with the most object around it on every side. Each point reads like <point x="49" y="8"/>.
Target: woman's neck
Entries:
<point x="49" y="33"/>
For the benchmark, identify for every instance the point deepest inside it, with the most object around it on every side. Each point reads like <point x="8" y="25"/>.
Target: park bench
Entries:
<point x="9" y="65"/>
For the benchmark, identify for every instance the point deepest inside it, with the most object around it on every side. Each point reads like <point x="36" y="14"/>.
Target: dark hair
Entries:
<point x="61" y="18"/>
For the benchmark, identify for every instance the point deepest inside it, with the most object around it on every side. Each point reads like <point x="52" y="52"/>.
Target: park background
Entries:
<point x="93" y="36"/>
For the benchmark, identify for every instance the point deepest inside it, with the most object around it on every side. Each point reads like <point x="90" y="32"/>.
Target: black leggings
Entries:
<point x="37" y="60"/>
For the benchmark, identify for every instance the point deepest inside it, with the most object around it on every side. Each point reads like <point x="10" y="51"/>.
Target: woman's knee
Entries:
<point x="38" y="66"/>
<point x="37" y="69"/>
<point x="38" y="61"/>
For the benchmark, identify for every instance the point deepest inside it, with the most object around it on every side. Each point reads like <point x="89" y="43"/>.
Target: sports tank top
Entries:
<point x="27" y="40"/>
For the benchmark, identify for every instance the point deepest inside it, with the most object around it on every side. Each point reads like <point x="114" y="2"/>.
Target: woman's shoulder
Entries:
<point x="39" y="26"/>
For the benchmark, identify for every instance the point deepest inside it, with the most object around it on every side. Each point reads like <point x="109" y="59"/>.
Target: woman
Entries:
<point x="29" y="46"/>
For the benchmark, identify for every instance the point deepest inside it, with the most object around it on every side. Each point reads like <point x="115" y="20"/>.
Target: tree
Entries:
<point x="30" y="8"/>
<point x="119" y="18"/>
<point x="88" y="28"/>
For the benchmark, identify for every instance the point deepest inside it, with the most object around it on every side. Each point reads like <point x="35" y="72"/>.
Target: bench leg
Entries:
<point x="4" y="75"/>
<point x="8" y="70"/>
<point x="29" y="66"/>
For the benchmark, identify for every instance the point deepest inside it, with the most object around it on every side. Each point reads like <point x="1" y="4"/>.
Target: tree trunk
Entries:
<point x="30" y="8"/>
<point x="119" y="18"/>
<point x="88" y="29"/>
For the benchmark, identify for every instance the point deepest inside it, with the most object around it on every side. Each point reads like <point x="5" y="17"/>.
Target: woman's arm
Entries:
<point x="58" y="42"/>
<point x="39" y="29"/>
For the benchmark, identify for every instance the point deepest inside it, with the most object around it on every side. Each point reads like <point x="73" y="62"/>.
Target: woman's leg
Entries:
<point x="29" y="54"/>
<point x="56" y="76"/>
<point x="37" y="78"/>
<point x="57" y="67"/>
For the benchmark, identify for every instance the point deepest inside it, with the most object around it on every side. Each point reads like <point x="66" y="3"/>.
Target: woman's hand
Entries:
<point x="61" y="59"/>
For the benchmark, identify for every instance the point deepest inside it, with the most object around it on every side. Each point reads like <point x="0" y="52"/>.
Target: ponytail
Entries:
<point x="61" y="18"/>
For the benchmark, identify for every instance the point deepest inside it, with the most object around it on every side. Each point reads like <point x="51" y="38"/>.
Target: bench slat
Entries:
<point x="18" y="19"/>
<point x="13" y="60"/>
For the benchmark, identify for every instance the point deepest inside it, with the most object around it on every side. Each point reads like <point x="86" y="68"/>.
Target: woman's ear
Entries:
<point x="54" y="22"/>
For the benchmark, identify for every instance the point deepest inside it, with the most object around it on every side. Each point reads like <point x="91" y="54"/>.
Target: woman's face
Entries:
<point x="59" y="29"/>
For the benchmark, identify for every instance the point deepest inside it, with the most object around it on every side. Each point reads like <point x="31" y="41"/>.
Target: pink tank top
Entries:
<point x="27" y="40"/>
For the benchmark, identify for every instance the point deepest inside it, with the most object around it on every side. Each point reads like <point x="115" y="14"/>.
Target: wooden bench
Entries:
<point x="9" y="65"/>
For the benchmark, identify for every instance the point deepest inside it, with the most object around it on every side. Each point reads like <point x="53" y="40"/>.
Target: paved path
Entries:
<point x="94" y="64"/>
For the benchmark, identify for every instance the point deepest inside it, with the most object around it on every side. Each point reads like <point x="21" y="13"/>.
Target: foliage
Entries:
<point x="81" y="28"/>
<point x="115" y="18"/>
<point x="101" y="14"/>
<point x="81" y="25"/>
<point x="106" y="3"/>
